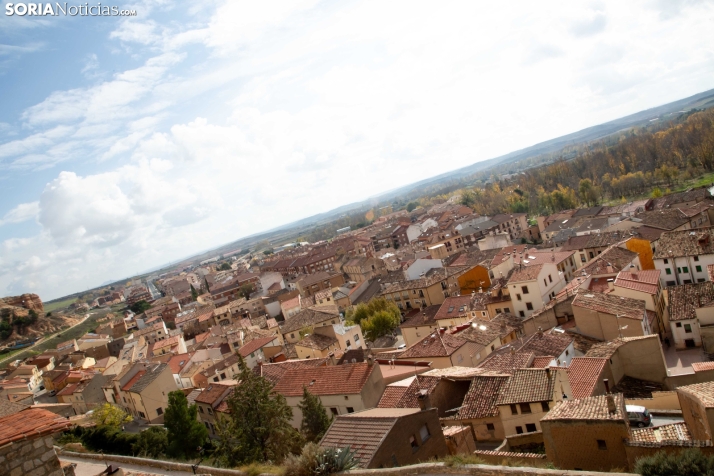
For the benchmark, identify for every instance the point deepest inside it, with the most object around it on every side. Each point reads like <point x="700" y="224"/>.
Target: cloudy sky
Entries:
<point x="126" y="143"/>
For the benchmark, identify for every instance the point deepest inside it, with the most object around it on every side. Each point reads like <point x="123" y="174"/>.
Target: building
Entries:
<point x="319" y="281"/>
<point x="645" y="286"/>
<point x="27" y="443"/>
<point x="85" y="395"/>
<point x="479" y="409"/>
<point x="419" y="323"/>
<point x="143" y="390"/>
<point x="528" y="396"/>
<point x="683" y="256"/>
<point x="533" y="287"/>
<point x="364" y="268"/>
<point x="388" y="437"/>
<point x="587" y="434"/>
<point x="432" y="289"/>
<point x="342" y="389"/>
<point x="208" y="401"/>
<point x="691" y="315"/>
<point x="514" y="224"/>
<point x="306" y="319"/>
<point x="442" y="350"/>
<point x="607" y="316"/>
<point x="697" y="402"/>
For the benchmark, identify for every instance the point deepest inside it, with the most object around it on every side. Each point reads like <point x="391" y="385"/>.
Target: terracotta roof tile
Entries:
<point x="30" y="424"/>
<point x="480" y="400"/>
<point x="645" y="280"/>
<point x="528" y="385"/>
<point x="255" y="344"/>
<point x="610" y="304"/>
<point x="309" y="317"/>
<point x="391" y="396"/>
<point x="591" y="408"/>
<point x="526" y="273"/>
<point x="584" y="374"/>
<point x="317" y="342"/>
<point x="704" y="392"/>
<point x="347" y="379"/>
<point x="436" y="344"/>
<point x="672" y="432"/>
<point x="274" y="372"/>
<point x="363" y="435"/>
<point x="542" y="362"/>
<point x="702" y="366"/>
<point x="507" y="362"/>
<point x="424" y="317"/>
<point x="684" y="300"/>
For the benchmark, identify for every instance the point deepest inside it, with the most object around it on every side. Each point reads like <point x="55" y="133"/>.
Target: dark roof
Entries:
<point x="663" y="219"/>
<point x="674" y="244"/>
<point x="423" y="317"/>
<point x="436" y="344"/>
<point x="591" y="408"/>
<point x="587" y="212"/>
<point x="528" y="385"/>
<point x="480" y="400"/>
<point x="317" y="341"/>
<point x="308" y="317"/>
<point x="615" y="257"/>
<point x="697" y="195"/>
<point x="610" y="304"/>
<point x="684" y="300"/>
<point x="151" y="373"/>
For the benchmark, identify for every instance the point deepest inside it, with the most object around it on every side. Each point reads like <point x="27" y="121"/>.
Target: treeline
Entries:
<point x="641" y="161"/>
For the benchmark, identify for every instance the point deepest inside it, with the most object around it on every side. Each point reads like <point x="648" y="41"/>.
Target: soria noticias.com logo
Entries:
<point x="64" y="9"/>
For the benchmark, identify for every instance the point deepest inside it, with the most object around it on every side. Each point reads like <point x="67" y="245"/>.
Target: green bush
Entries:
<point x="316" y="461"/>
<point x="110" y="440"/>
<point x="152" y="442"/>
<point x="690" y="462"/>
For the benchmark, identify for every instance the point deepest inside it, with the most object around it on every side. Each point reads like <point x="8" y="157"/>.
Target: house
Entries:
<point x="388" y="437"/>
<point x="253" y="352"/>
<point x="225" y="369"/>
<point x="697" y="403"/>
<point x="455" y="311"/>
<point x="684" y="199"/>
<point x="308" y="318"/>
<point x="514" y="224"/>
<point x="172" y="345"/>
<point x="442" y="350"/>
<point x="683" y="256"/>
<point x="487" y="335"/>
<point x="431" y="289"/>
<point x="419" y="323"/>
<point x="691" y="314"/>
<point x="85" y="395"/>
<point x="142" y="390"/>
<point x="445" y="393"/>
<point x="341" y="389"/>
<point x="208" y="401"/>
<point x="587" y="433"/>
<point x="27" y="443"/>
<point x="533" y="287"/>
<point x="669" y="220"/>
<point x="319" y="281"/>
<point x="586" y="375"/>
<point x="608" y="316"/>
<point x="529" y="395"/>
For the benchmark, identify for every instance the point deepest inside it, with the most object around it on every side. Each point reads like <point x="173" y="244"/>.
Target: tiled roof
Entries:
<point x="584" y="374"/>
<point x="255" y="344"/>
<point x="213" y="393"/>
<point x="542" y="344"/>
<point x="694" y="195"/>
<point x="684" y="300"/>
<point x="423" y="317"/>
<point x="8" y="408"/>
<point x="607" y="349"/>
<point x="674" y="244"/>
<point x="591" y="408"/>
<point x="704" y="392"/>
<point x="453" y="307"/>
<point x="436" y="344"/>
<point x="151" y="373"/>
<point x="419" y="384"/>
<point x="528" y="385"/>
<point x="391" y="396"/>
<point x="611" y="261"/>
<point x="503" y="254"/>
<point x="317" y="342"/>
<point x="30" y="423"/>
<point x="646" y="281"/>
<point x="221" y="365"/>
<point x="611" y="304"/>
<point x="542" y="362"/>
<point x="480" y="400"/>
<point x="525" y="273"/>
<point x="309" y="317"/>
<point x="702" y="366"/>
<point x="671" y="432"/>
<point x="363" y="435"/>
<point x="507" y="362"/>
<point x="178" y="361"/>
<point x="347" y="379"/>
<point x="482" y="332"/>
<point x="663" y="219"/>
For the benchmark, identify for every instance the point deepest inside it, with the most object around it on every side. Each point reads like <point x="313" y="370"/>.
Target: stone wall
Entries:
<point x="31" y="457"/>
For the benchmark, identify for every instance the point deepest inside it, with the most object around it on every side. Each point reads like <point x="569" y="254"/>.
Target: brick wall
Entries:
<point x="33" y="457"/>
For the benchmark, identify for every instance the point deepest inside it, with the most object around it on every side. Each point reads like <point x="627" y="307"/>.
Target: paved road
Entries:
<point x="90" y="467"/>
<point x="665" y="420"/>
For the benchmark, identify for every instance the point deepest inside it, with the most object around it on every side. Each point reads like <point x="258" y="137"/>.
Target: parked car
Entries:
<point x="638" y="416"/>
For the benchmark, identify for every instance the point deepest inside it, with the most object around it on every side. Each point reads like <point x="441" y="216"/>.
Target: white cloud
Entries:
<point x="22" y="212"/>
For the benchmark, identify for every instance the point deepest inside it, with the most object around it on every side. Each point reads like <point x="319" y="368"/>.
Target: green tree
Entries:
<point x="411" y="206"/>
<point x="224" y="267"/>
<point x="194" y="293"/>
<point x="468" y="198"/>
<point x="140" y="306"/>
<point x="315" y="421"/>
<point x="205" y="280"/>
<point x="185" y="432"/>
<point x="380" y="324"/>
<point x="110" y="415"/>
<point x="152" y="442"/>
<point x="246" y="290"/>
<point x="258" y="429"/>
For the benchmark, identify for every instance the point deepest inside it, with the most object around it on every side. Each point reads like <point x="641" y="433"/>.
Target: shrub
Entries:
<point x="316" y="461"/>
<point x="461" y="460"/>
<point x="152" y="442"/>
<point x="109" y="440"/>
<point x="305" y="463"/>
<point x="689" y="462"/>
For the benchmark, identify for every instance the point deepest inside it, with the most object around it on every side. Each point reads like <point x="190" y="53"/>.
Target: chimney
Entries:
<point x="611" y="408"/>
<point x="607" y="385"/>
<point x="333" y="361"/>
<point x="610" y="284"/>
<point x="370" y="361"/>
<point x="424" y="400"/>
<point x="540" y="331"/>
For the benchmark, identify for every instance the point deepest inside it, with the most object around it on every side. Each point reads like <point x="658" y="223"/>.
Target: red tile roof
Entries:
<point x="178" y="361"/>
<point x="453" y="307"/>
<point x="347" y="379"/>
<point x="436" y="344"/>
<point x="542" y="362"/>
<point x="30" y="424"/>
<point x="133" y="380"/>
<point x="528" y="385"/>
<point x="646" y="280"/>
<point x="481" y="399"/>
<point x="275" y="371"/>
<point x="702" y="366"/>
<point x="611" y="304"/>
<point x="255" y="344"/>
<point x="584" y="374"/>
<point x="391" y="396"/>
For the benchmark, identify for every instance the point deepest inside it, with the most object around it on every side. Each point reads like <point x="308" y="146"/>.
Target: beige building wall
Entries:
<point x="412" y="335"/>
<point x="604" y="326"/>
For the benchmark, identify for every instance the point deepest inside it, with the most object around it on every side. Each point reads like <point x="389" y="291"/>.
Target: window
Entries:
<point x="334" y="411"/>
<point x="210" y="410"/>
<point x="671" y="283"/>
<point x="292" y="335"/>
<point x="514" y="409"/>
<point x="679" y="324"/>
<point x="518" y="296"/>
<point x="356" y="337"/>
<point x="498" y="311"/>
<point x="215" y="379"/>
<point x="141" y="414"/>
<point x="223" y="375"/>
<point x="696" y="258"/>
<point x="667" y="271"/>
<point x="424" y="433"/>
<point x="350" y="410"/>
<point x="550" y="278"/>
<point x="685" y="269"/>
<point x="347" y="397"/>
<point x="666" y="261"/>
<point x="200" y="409"/>
<point x="530" y="427"/>
<point x="524" y="289"/>
<point x="698" y="268"/>
<point x="529" y="306"/>
<point x="601" y="445"/>
<point x="521" y="313"/>
<point x="506" y="309"/>
<point x="413" y="443"/>
<point x="159" y="411"/>
<point x="688" y="328"/>
<point x="525" y="407"/>
<point x="545" y="283"/>
<point x="490" y="427"/>
<point x="519" y="429"/>
<point x="544" y="406"/>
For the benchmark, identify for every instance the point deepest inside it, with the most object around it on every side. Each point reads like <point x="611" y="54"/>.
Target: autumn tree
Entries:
<point x="315" y="421"/>
<point x="110" y="415"/>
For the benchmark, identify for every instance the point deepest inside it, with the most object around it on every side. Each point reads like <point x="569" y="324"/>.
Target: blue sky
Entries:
<point x="126" y="143"/>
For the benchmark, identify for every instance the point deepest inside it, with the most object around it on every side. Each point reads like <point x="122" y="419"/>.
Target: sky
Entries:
<point x="130" y="142"/>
